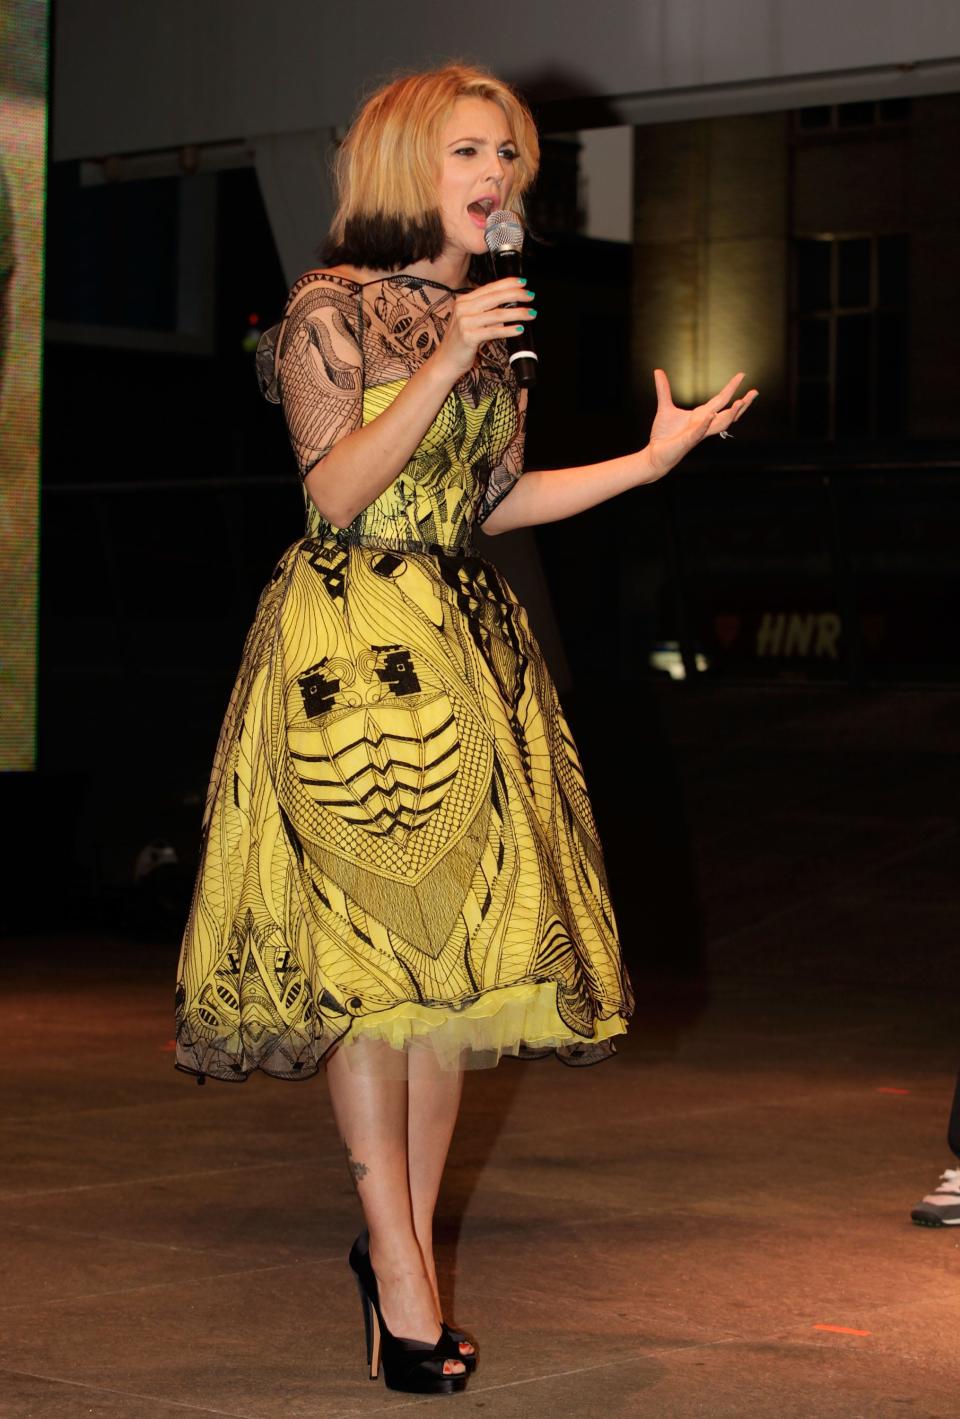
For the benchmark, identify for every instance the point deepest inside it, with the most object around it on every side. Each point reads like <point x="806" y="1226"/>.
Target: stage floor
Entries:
<point x="715" y="1224"/>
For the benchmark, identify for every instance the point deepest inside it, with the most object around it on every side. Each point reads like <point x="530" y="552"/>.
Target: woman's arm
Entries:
<point x="549" y="495"/>
<point x="363" y="463"/>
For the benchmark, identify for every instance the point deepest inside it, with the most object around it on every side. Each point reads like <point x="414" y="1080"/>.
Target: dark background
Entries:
<point x="814" y="556"/>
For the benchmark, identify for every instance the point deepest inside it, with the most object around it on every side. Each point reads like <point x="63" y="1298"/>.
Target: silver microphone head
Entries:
<point x="503" y="232"/>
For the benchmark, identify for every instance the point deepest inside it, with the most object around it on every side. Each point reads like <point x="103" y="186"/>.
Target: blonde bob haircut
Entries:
<point x="387" y="167"/>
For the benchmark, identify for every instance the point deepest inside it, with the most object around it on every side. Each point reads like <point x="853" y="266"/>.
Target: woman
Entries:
<point x="401" y="875"/>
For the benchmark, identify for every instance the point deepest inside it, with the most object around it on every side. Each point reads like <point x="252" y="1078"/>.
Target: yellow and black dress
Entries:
<point x="397" y="840"/>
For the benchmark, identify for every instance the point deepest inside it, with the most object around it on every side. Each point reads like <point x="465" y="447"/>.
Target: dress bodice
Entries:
<point x="342" y="353"/>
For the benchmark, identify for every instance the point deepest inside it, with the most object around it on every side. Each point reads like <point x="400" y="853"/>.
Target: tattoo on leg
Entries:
<point x="357" y="1170"/>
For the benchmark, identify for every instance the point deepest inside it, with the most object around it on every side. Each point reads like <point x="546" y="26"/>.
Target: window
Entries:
<point x="849" y="329"/>
<point x="842" y="117"/>
<point x="131" y="263"/>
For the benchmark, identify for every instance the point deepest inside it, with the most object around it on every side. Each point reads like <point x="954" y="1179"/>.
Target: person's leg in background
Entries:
<point x="941" y="1208"/>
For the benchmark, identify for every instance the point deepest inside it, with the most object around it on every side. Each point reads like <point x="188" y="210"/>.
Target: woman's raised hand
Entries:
<point x="489" y="313"/>
<point x="676" y="431"/>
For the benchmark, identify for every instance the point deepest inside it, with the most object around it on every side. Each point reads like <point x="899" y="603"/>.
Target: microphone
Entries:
<point x="504" y="237"/>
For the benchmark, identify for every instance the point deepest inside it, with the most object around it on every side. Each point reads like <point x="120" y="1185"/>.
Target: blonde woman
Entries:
<point x="400" y="875"/>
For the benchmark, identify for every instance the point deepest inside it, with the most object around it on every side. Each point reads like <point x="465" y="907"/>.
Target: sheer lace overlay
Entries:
<point x="340" y="356"/>
<point x="399" y="849"/>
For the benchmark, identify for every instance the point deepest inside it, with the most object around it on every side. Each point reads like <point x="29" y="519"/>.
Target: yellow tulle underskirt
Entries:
<point x="510" y="1020"/>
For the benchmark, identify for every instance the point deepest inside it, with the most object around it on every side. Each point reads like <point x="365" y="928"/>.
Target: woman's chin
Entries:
<point x="471" y="237"/>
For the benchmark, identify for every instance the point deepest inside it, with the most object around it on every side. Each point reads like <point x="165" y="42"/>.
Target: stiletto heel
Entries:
<point x="371" y="1330"/>
<point x="449" y="1336"/>
<point x="413" y="1366"/>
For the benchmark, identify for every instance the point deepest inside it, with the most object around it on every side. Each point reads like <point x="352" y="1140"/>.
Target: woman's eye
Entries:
<point x="508" y="154"/>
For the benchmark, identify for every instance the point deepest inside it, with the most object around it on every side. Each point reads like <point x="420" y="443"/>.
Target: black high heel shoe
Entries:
<point x="453" y="1338"/>
<point x="413" y="1366"/>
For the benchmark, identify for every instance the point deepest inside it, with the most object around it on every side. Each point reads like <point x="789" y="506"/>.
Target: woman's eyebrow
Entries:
<point x="479" y="140"/>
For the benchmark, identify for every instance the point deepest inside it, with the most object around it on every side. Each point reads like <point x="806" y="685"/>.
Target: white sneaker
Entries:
<point x="941" y="1208"/>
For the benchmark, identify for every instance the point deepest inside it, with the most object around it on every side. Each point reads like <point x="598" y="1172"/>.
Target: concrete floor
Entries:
<point x="714" y="1224"/>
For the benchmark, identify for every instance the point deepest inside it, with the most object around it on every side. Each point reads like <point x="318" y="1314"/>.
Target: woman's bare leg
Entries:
<point x="371" y="1115"/>
<point x="434" y="1102"/>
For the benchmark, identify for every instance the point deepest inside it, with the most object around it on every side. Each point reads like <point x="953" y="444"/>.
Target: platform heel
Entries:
<point x="411" y="1366"/>
<point x="451" y="1338"/>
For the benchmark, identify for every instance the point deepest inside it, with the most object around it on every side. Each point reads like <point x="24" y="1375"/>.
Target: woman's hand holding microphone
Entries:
<point x="489" y="313"/>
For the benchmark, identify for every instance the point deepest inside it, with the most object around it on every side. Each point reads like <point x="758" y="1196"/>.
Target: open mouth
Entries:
<point x="481" y="209"/>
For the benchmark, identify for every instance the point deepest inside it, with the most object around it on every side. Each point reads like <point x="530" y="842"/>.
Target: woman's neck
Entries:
<point x="449" y="269"/>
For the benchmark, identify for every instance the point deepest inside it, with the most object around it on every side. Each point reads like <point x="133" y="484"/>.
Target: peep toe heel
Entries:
<point x="456" y="1338"/>
<point x="412" y="1366"/>
<point x="451" y="1338"/>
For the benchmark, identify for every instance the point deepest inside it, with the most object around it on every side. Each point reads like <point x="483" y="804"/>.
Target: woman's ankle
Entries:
<point x="429" y="1262"/>
<point x="395" y="1254"/>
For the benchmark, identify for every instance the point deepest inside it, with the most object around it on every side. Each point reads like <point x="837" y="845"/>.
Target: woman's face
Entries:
<point x="477" y="173"/>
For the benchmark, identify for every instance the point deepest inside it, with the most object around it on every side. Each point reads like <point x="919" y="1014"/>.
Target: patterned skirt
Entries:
<point x="397" y="843"/>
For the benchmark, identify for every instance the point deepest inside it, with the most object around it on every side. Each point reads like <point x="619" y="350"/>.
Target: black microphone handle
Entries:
<point x="523" y="354"/>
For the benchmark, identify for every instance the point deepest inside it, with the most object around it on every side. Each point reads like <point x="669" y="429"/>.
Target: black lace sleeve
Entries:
<point x="509" y="466"/>
<point x="312" y="364"/>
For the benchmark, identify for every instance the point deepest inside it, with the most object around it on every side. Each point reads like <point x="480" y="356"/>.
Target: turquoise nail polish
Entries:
<point x="522" y="280"/>
<point x="531" y="294"/>
<point x="519" y="329"/>
<point x="532" y="310"/>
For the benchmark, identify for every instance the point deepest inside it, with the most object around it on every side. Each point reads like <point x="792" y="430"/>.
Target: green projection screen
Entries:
<point x="23" y="144"/>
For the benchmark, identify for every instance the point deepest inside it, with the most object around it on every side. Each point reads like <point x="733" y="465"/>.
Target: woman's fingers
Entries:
<point x="719" y="401"/>
<point x="501" y="332"/>
<point x="713" y="406"/>
<point x="663" y="387"/>
<point x="507" y="291"/>
<point x="493" y="311"/>
<point x="736" y="411"/>
<point x="507" y="285"/>
<point x="721" y="421"/>
<point x="495" y="327"/>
